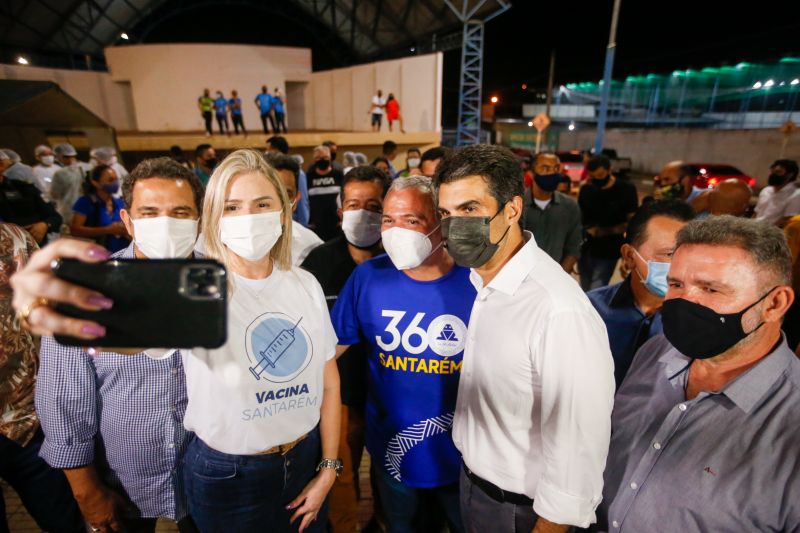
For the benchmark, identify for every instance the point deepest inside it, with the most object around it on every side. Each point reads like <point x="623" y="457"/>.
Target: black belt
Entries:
<point x="495" y="492"/>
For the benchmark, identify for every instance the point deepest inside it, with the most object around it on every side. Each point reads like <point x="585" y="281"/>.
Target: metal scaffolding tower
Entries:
<point x="469" y="91"/>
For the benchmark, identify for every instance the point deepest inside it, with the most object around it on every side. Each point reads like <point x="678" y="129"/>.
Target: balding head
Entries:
<point x="674" y="181"/>
<point x="730" y="197"/>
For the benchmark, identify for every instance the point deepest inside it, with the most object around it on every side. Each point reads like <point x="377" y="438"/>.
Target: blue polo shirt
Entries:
<point x="264" y="103"/>
<point x="232" y="103"/>
<point x="277" y="101"/>
<point x="414" y="333"/>
<point x="628" y="327"/>
<point x="221" y="106"/>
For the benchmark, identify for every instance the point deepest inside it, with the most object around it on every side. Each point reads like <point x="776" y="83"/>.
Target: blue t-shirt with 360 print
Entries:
<point x="415" y="333"/>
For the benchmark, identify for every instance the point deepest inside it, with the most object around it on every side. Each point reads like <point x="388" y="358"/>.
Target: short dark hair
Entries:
<point x="365" y="174"/>
<point x="201" y="148"/>
<point x="636" y="233"/>
<point x="389" y="147"/>
<point x="94" y="175"/>
<point x="432" y="154"/>
<point x="788" y="164"/>
<point x="414" y="149"/>
<point x="598" y="161"/>
<point x="164" y="168"/>
<point x="496" y="164"/>
<point x="279" y="143"/>
<point x="284" y="162"/>
<point x="380" y="159"/>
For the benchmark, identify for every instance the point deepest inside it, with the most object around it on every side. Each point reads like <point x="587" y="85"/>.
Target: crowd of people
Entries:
<point x="457" y="324"/>
<point x="271" y="108"/>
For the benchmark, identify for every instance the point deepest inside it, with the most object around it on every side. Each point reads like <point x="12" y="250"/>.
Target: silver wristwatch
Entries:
<point x="335" y="464"/>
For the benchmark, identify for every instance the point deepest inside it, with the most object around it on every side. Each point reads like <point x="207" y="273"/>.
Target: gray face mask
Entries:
<point x="468" y="241"/>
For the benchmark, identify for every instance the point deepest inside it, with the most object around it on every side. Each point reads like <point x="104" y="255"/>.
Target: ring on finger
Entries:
<point x="24" y="314"/>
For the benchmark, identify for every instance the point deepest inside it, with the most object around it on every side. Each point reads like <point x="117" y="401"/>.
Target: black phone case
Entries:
<point x="152" y="306"/>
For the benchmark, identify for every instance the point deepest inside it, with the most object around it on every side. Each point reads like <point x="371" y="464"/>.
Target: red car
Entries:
<point x="708" y="175"/>
<point x="571" y="164"/>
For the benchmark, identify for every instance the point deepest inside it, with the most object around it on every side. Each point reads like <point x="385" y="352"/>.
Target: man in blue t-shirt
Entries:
<point x="410" y="308"/>
<point x="235" y="105"/>
<point x="264" y="104"/>
<point x="221" y="110"/>
<point x="278" y="103"/>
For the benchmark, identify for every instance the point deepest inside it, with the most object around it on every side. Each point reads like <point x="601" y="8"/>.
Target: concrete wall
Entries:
<point x="340" y="99"/>
<point x="113" y="102"/>
<point x="167" y="79"/>
<point x="752" y="151"/>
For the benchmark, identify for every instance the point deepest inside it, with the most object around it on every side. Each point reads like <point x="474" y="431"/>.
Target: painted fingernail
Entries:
<point x="288" y="506"/>
<point x="102" y="302"/>
<point x="94" y="330"/>
<point x="98" y="253"/>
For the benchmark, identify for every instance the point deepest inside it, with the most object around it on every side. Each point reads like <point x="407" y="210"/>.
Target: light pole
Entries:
<point x="606" y="93"/>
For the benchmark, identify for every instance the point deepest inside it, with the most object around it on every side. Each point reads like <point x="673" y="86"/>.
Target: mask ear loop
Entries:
<point x="752" y="305"/>
<point x="641" y="278"/>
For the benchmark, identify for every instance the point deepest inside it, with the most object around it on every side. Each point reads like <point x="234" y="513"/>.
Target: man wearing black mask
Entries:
<point x="607" y="204"/>
<point x="704" y="429"/>
<point x="205" y="159"/>
<point x="780" y="200"/>
<point x="324" y="184"/>
<point x="553" y="217"/>
<point x="334" y="148"/>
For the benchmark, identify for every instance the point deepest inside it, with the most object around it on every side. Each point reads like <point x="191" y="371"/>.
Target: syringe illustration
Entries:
<point x="271" y="354"/>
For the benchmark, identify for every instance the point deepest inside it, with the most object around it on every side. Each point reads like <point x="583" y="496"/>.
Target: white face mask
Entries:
<point x="165" y="237"/>
<point x="407" y="248"/>
<point x="251" y="237"/>
<point x="361" y="228"/>
<point x="48" y="160"/>
<point x="413" y="162"/>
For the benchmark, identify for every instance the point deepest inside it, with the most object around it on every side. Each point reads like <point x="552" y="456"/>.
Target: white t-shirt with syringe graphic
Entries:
<point x="264" y="386"/>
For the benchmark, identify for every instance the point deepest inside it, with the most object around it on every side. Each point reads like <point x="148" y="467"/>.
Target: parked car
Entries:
<point x="708" y="175"/>
<point x="572" y="164"/>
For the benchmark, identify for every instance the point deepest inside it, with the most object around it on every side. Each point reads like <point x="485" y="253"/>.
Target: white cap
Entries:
<point x="103" y="154"/>
<point x="65" y="149"/>
<point x="12" y="155"/>
<point x="39" y="150"/>
<point x="3" y="155"/>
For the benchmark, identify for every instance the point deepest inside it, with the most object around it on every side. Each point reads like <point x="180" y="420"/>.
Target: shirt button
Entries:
<point x="174" y="371"/>
<point x="657" y="445"/>
<point x="615" y="524"/>
<point x="171" y="445"/>
<point x="682" y="407"/>
<point x="634" y="486"/>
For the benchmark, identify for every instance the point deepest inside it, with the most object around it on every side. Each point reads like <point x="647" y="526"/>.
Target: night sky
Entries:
<point x="653" y="37"/>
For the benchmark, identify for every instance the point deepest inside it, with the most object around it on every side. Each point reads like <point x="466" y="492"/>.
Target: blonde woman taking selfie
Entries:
<point x="265" y="406"/>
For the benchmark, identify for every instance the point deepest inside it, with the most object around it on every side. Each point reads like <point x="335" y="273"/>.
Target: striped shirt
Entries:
<point x="123" y="413"/>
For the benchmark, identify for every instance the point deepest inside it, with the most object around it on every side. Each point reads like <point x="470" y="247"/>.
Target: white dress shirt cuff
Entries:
<point x="561" y="508"/>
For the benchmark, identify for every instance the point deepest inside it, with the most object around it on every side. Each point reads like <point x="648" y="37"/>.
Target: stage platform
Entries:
<point x="134" y="141"/>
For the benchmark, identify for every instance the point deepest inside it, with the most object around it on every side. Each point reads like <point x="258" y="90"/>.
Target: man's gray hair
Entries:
<point x="765" y="243"/>
<point x="423" y="184"/>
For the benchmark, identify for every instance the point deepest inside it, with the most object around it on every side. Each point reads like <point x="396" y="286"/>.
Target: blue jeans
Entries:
<point x="483" y="514"/>
<point x="246" y="493"/>
<point x="44" y="491"/>
<point x="595" y="271"/>
<point x="408" y="509"/>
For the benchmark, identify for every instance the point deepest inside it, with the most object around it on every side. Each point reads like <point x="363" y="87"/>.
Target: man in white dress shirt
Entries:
<point x="533" y="417"/>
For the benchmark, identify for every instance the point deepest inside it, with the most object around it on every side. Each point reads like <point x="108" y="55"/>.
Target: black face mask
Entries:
<point x="601" y="182"/>
<point x="323" y="164"/>
<point x="700" y="332"/>
<point x="211" y="162"/>
<point x="548" y="182"/>
<point x="467" y="239"/>
<point x="776" y="180"/>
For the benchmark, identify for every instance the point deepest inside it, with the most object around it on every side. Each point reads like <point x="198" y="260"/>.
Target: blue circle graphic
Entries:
<point x="279" y="347"/>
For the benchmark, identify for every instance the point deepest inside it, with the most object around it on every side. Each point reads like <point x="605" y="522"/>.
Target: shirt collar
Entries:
<point x="623" y="295"/>
<point x="514" y="272"/>
<point x="126" y="253"/>
<point x="553" y="199"/>
<point x="747" y="390"/>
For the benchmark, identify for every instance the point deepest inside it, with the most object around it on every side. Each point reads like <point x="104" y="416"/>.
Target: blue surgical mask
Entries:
<point x="656" y="280"/>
